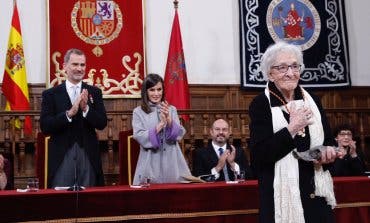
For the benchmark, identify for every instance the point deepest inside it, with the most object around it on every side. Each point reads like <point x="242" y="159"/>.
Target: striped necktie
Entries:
<point x="221" y="151"/>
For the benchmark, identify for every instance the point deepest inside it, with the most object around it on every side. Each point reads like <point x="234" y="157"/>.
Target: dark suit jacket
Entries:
<point x="204" y="159"/>
<point x="53" y="122"/>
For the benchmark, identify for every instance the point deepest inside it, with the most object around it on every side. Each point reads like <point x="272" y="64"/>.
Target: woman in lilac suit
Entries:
<point x="157" y="128"/>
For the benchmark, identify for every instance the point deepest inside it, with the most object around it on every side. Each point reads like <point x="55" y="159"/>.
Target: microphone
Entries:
<point x="162" y="132"/>
<point x="76" y="146"/>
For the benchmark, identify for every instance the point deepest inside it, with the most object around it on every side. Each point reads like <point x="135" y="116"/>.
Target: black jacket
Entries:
<point x="53" y="122"/>
<point x="204" y="159"/>
<point x="267" y="148"/>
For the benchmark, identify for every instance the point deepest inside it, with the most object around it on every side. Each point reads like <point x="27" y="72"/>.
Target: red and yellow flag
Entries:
<point x="15" y="88"/>
<point x="175" y="79"/>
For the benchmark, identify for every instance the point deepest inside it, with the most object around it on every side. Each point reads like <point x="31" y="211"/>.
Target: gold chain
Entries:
<point x="302" y="131"/>
<point x="281" y="100"/>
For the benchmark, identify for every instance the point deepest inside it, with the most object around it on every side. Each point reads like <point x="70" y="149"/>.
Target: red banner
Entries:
<point x="111" y="33"/>
<point x="175" y="80"/>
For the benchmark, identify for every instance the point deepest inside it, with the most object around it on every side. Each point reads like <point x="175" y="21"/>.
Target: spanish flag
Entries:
<point x="15" y="88"/>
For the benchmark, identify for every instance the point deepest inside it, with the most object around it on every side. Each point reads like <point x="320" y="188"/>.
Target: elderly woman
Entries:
<point x="283" y="118"/>
<point x="157" y="128"/>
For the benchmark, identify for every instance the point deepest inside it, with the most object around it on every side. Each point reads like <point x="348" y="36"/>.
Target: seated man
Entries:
<point x="219" y="158"/>
<point x="352" y="163"/>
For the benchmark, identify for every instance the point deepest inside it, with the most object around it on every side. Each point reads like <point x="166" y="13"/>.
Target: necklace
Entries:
<point x="301" y="132"/>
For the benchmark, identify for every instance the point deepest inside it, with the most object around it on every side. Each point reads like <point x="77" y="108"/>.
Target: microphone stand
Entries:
<point x="163" y="131"/>
<point x="75" y="186"/>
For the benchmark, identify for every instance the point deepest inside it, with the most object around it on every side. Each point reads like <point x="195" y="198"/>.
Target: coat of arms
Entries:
<point x="96" y="22"/>
<point x="296" y="22"/>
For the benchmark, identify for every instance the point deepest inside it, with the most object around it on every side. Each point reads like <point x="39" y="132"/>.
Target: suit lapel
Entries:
<point x="62" y="96"/>
<point x="212" y="155"/>
<point x="89" y="93"/>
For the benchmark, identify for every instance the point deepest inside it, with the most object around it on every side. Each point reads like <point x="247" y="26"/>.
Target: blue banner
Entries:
<point x="319" y="27"/>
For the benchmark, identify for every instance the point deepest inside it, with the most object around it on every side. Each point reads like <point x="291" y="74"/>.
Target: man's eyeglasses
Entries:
<point x="284" y="68"/>
<point x="220" y="129"/>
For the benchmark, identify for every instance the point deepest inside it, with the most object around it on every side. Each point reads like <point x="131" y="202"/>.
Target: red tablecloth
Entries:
<point x="208" y="202"/>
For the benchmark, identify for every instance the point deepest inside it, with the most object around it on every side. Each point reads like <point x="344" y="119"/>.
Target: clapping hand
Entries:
<point x="165" y="112"/>
<point x="83" y="99"/>
<point x="231" y="157"/>
<point x="222" y="160"/>
<point x="74" y="109"/>
<point x="164" y="116"/>
<point x="352" y="149"/>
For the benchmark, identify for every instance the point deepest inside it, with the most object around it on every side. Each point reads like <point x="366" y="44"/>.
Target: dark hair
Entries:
<point x="343" y="127"/>
<point x="150" y="81"/>
<point x="69" y="52"/>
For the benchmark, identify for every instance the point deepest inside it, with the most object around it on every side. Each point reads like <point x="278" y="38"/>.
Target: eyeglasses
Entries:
<point x="284" y="68"/>
<point x="345" y="133"/>
<point x="220" y="129"/>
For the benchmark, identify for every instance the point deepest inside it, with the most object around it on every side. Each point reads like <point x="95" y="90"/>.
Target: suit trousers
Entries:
<point x="75" y="168"/>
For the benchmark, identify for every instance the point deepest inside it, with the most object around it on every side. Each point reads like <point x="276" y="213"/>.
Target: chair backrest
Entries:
<point x="41" y="159"/>
<point x="128" y="154"/>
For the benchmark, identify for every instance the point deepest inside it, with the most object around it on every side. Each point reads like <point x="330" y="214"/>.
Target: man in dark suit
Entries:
<point x="219" y="158"/>
<point x="70" y="113"/>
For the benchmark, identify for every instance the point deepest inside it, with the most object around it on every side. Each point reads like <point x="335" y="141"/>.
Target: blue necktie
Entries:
<point x="221" y="151"/>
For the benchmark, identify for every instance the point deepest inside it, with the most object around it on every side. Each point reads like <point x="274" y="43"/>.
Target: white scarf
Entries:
<point x="287" y="200"/>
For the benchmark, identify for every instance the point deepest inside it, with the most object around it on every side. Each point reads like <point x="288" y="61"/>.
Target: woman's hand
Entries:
<point x="352" y="149"/>
<point x="164" y="116"/>
<point x="329" y="155"/>
<point x="299" y="118"/>
<point x="162" y="122"/>
<point x="165" y="110"/>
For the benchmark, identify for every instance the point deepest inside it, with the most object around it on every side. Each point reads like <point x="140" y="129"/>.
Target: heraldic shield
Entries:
<point x="111" y="34"/>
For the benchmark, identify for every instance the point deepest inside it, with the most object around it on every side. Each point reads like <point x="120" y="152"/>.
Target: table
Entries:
<point x="208" y="202"/>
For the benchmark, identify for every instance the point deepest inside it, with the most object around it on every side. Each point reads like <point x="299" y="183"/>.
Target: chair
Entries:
<point x="41" y="159"/>
<point x="128" y="150"/>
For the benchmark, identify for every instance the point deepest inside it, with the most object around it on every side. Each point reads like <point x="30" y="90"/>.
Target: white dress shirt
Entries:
<point x="213" y="170"/>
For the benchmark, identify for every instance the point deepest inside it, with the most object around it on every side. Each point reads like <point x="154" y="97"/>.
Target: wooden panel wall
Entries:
<point x="227" y="97"/>
<point x="211" y="99"/>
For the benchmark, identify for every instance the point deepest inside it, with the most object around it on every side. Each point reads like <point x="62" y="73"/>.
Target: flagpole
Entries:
<point x="13" y="138"/>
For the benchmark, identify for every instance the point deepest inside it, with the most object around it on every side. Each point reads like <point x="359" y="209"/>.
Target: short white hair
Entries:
<point x="269" y="57"/>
